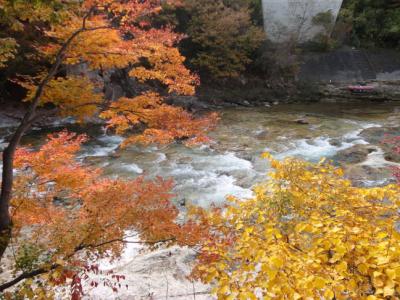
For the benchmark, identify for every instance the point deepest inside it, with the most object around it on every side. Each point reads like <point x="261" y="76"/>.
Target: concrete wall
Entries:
<point x="351" y="66"/>
<point x="284" y="19"/>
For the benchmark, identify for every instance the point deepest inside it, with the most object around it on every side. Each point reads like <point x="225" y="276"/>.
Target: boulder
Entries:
<point x="379" y="136"/>
<point x="390" y="153"/>
<point x="353" y="155"/>
<point x="363" y="175"/>
<point x="376" y="135"/>
<point x="190" y="103"/>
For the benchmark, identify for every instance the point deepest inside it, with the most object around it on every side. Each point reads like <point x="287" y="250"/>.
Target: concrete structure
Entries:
<point x="351" y="66"/>
<point x="292" y="19"/>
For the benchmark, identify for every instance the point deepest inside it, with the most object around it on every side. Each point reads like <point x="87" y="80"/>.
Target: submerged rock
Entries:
<point x="335" y="142"/>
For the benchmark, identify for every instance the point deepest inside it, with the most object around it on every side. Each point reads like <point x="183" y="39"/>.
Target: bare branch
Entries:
<point x="32" y="274"/>
<point x="27" y="275"/>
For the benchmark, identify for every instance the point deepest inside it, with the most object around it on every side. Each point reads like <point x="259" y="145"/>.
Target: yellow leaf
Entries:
<point x="391" y="274"/>
<point x="329" y="294"/>
<point x="277" y="262"/>
<point x="381" y="235"/>
<point x="224" y="289"/>
<point x="341" y="267"/>
<point x="319" y="282"/>
<point x="363" y="268"/>
<point x="383" y="260"/>
<point x="388" y="291"/>
<point x="296" y="296"/>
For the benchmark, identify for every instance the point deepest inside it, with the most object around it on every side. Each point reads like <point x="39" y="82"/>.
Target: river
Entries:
<point x="230" y="165"/>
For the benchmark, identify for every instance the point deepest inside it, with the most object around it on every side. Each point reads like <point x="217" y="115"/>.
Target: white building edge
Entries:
<point x="285" y="19"/>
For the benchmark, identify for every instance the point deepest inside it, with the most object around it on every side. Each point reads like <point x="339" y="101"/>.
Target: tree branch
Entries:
<point x="26" y="122"/>
<point x="129" y="242"/>
<point x="40" y="271"/>
<point x="27" y="275"/>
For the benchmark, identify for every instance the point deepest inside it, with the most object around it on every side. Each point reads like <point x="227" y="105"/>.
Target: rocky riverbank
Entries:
<point x="383" y="91"/>
<point x="258" y="93"/>
<point x="370" y="163"/>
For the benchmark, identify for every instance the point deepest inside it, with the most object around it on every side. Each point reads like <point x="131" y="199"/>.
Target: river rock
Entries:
<point x="335" y="142"/>
<point x="354" y="155"/>
<point x="376" y="135"/>
<point x="113" y="91"/>
<point x="302" y="121"/>
<point x="390" y="153"/>
<point x="190" y="103"/>
<point x="184" y="160"/>
<point x="263" y="135"/>
<point x="363" y="175"/>
<point x="95" y="160"/>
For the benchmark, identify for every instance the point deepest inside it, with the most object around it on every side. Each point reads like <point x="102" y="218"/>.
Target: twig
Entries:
<point x="166" y="296"/>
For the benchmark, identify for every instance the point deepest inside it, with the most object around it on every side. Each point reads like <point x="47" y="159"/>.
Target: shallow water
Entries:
<point x="232" y="163"/>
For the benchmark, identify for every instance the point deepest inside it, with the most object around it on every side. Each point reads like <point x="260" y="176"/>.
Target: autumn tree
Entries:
<point x="221" y="36"/>
<point x="66" y="206"/>
<point x="306" y="234"/>
<point x="102" y="34"/>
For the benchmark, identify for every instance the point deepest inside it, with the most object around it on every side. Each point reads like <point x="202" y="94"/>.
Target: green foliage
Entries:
<point x="325" y="20"/>
<point x="255" y="6"/>
<point x="372" y="23"/>
<point x="323" y="40"/>
<point x="223" y="36"/>
<point x="28" y="257"/>
<point x="8" y="48"/>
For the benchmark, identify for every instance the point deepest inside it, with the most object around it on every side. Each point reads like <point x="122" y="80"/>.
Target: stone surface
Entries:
<point x="354" y="155"/>
<point x="190" y="103"/>
<point x="302" y="121"/>
<point x="376" y="135"/>
<point x="363" y="175"/>
<point x="262" y="135"/>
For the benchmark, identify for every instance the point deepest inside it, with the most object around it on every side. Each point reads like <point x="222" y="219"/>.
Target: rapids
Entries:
<point x="231" y="164"/>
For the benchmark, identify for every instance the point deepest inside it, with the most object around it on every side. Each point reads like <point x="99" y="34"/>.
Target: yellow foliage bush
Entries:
<point x="306" y="234"/>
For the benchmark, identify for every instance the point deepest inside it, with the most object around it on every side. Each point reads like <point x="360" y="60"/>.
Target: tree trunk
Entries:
<point x="29" y="118"/>
<point x="7" y="181"/>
